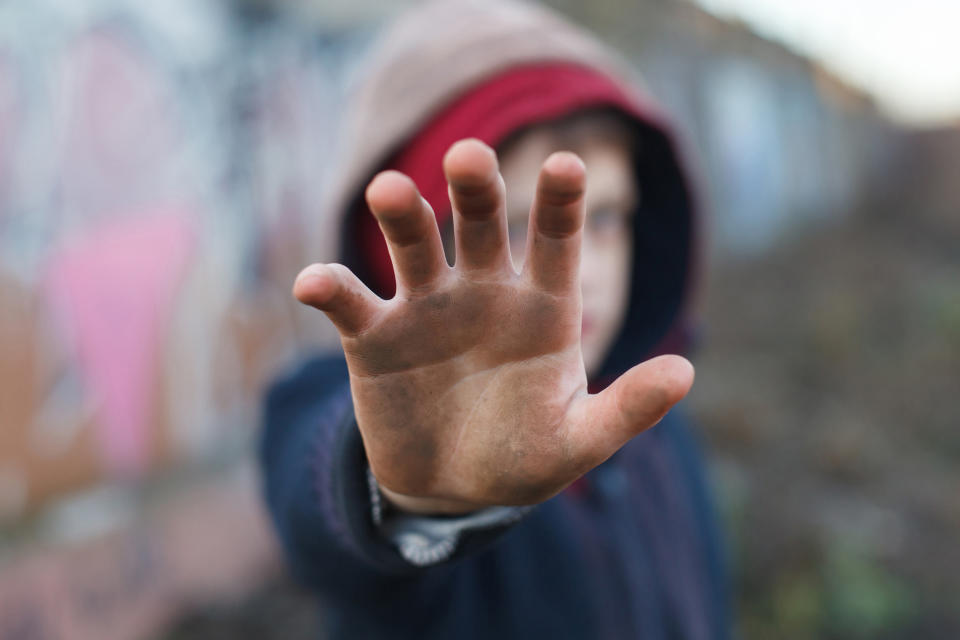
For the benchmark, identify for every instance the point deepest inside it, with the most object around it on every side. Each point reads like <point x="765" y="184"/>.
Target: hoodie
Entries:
<point x="631" y="550"/>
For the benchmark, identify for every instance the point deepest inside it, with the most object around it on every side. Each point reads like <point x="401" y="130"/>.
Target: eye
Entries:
<point x="608" y="222"/>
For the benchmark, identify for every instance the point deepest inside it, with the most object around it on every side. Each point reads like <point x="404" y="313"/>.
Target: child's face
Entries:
<point x="607" y="253"/>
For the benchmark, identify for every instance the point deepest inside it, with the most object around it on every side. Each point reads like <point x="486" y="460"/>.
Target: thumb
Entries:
<point x="636" y="401"/>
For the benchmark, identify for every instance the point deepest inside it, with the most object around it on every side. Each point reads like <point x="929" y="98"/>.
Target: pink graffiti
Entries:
<point x="113" y="291"/>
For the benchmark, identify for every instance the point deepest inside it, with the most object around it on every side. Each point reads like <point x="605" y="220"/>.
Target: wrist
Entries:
<point x="426" y="506"/>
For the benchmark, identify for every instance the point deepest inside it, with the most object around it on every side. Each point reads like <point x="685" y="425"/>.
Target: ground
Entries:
<point x="827" y="388"/>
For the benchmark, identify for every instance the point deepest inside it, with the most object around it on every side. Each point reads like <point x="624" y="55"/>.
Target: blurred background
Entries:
<point x="160" y="165"/>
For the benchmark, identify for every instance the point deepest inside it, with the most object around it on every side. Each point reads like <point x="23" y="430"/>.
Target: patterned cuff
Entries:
<point x="426" y="540"/>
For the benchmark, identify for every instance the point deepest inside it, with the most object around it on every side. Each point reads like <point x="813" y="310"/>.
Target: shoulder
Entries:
<point x="313" y="392"/>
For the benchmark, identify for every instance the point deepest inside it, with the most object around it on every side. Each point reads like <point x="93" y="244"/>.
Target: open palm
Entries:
<point x="469" y="386"/>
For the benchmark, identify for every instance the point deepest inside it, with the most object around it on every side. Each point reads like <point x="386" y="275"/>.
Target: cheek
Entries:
<point x="606" y="291"/>
<point x="608" y="280"/>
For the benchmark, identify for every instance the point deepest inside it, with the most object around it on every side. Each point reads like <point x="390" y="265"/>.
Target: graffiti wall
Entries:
<point x="158" y="169"/>
<point x="160" y="165"/>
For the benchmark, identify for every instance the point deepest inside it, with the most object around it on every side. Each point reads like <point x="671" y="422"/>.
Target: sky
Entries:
<point x="904" y="52"/>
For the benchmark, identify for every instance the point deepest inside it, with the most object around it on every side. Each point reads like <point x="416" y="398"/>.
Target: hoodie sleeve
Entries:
<point x="319" y="495"/>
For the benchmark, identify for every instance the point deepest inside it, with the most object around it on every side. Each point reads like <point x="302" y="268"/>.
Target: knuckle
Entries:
<point x="403" y="230"/>
<point x="476" y="201"/>
<point x="559" y="221"/>
<point x="560" y="195"/>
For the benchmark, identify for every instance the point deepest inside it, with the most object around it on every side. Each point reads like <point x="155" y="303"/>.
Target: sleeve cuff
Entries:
<point x="425" y="540"/>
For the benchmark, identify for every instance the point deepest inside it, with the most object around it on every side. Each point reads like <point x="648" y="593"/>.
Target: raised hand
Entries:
<point x="469" y="386"/>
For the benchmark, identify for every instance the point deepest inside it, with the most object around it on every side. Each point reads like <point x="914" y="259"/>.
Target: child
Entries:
<point x="431" y="483"/>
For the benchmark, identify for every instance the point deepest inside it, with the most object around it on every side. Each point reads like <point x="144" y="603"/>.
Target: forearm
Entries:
<point x="315" y="485"/>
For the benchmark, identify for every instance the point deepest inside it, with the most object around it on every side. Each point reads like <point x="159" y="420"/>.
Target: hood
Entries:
<point x="451" y="69"/>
